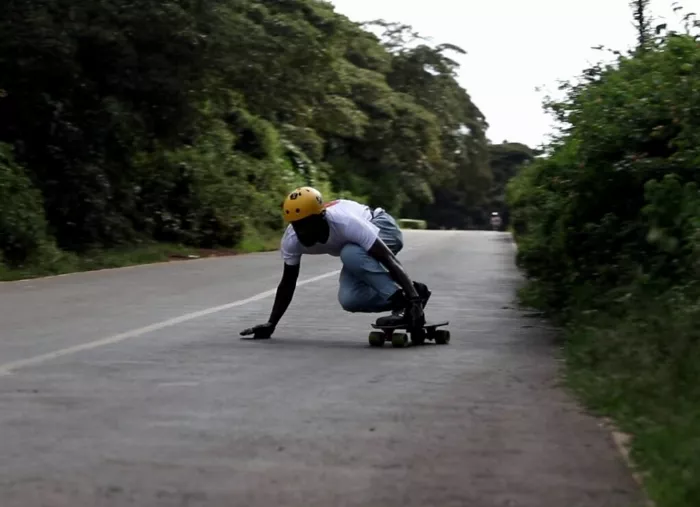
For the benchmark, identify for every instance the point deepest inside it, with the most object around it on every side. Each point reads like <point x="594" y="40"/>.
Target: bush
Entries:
<point x="22" y="220"/>
<point x="617" y="197"/>
<point x="410" y="223"/>
<point x="204" y="194"/>
<point x="608" y="228"/>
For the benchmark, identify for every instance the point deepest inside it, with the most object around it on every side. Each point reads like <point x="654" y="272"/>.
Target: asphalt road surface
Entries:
<point x="131" y="387"/>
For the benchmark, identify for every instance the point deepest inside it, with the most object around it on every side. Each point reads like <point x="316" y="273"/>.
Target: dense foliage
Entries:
<point x="608" y="227"/>
<point x="22" y="220"/>
<point x="186" y="121"/>
<point x="616" y="200"/>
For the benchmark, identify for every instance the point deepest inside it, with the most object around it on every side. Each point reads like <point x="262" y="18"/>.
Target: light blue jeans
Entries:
<point x="365" y="284"/>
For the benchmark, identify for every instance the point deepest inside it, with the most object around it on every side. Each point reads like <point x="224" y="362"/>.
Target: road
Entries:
<point x="131" y="387"/>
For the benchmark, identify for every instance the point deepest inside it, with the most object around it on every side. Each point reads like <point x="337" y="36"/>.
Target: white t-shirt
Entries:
<point x="348" y="221"/>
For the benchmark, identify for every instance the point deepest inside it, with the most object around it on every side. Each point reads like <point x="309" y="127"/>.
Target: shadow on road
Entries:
<point x="319" y="343"/>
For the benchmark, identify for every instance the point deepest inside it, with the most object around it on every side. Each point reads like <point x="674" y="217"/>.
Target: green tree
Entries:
<point x="505" y="160"/>
<point x="188" y="121"/>
<point x="459" y="179"/>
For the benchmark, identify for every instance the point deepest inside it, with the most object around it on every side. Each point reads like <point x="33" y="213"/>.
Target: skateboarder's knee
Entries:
<point x="349" y="301"/>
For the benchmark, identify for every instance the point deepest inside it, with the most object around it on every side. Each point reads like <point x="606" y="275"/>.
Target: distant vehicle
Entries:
<point x="496" y="221"/>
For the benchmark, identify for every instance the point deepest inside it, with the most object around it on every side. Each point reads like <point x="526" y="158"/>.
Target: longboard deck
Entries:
<point x="427" y="325"/>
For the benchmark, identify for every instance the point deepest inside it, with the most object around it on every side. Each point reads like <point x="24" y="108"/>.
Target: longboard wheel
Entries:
<point x="418" y="337"/>
<point x="442" y="336"/>
<point x="376" y="339"/>
<point x="399" y="340"/>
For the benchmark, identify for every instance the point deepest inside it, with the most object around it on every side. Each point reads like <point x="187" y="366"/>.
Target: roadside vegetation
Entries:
<point x="608" y="228"/>
<point x="135" y="125"/>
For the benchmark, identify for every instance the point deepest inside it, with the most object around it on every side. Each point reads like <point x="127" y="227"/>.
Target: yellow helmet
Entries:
<point x="301" y="203"/>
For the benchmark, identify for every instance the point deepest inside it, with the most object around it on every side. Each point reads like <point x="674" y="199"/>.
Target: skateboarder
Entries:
<point x="372" y="280"/>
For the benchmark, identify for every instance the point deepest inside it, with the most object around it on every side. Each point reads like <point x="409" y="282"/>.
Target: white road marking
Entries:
<point x="178" y="384"/>
<point x="7" y="368"/>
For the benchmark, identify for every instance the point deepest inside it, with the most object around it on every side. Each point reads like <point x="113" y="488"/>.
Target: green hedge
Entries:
<point x="22" y="221"/>
<point x="608" y="230"/>
<point x="410" y="223"/>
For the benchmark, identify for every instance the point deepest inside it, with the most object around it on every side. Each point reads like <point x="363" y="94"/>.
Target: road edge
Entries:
<point x="620" y="439"/>
<point x="172" y="260"/>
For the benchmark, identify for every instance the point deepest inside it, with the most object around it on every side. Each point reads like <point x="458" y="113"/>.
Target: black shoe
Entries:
<point x="395" y="319"/>
<point x="398" y="304"/>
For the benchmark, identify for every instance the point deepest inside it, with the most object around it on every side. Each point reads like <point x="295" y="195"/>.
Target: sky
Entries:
<point x="515" y="46"/>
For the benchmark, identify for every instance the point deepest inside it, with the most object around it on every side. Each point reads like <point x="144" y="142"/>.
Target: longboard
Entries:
<point x="429" y="331"/>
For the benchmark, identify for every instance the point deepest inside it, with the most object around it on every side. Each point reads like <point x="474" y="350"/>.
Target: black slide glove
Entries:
<point x="259" y="332"/>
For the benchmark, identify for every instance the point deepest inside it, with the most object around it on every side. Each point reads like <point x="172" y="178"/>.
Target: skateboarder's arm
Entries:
<point x="285" y="292"/>
<point x="382" y="253"/>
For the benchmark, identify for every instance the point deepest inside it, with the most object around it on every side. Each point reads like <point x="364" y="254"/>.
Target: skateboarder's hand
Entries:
<point x="259" y="332"/>
<point x="415" y="318"/>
